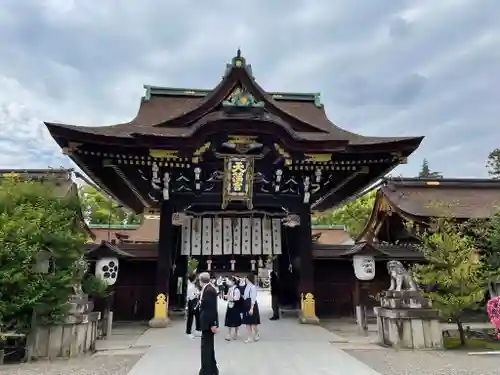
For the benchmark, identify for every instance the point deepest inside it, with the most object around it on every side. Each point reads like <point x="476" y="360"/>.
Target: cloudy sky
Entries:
<point x="383" y="67"/>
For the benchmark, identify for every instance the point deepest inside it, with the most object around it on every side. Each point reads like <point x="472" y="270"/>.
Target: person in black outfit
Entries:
<point x="209" y="322"/>
<point x="233" y="311"/>
<point x="275" y="296"/>
<point x="192" y="301"/>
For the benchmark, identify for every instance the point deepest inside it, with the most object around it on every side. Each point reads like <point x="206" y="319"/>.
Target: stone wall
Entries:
<point x="75" y="337"/>
<point x="408" y="332"/>
<point x="407" y="320"/>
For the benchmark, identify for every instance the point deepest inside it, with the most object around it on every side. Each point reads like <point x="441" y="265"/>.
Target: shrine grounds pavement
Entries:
<point x="286" y="347"/>
<point x="94" y="365"/>
<point x="391" y="362"/>
<point x="406" y="362"/>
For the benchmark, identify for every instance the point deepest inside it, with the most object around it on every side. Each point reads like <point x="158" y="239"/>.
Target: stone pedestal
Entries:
<point x="406" y="320"/>
<point x="159" y="323"/>
<point x="80" y="304"/>
<point x="76" y="336"/>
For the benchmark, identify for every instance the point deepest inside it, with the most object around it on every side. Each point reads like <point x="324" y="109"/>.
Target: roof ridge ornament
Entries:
<point x="240" y="97"/>
<point x="239" y="62"/>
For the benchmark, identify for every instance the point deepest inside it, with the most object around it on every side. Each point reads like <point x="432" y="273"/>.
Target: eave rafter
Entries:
<point x="70" y="150"/>
<point x="378" y="167"/>
<point x="383" y="209"/>
<point x="119" y="172"/>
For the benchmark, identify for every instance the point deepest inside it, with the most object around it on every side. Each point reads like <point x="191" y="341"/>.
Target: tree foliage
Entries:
<point x="192" y="265"/>
<point x="34" y="220"/>
<point x="103" y="210"/>
<point x="353" y="215"/>
<point x="425" y="171"/>
<point x="455" y="275"/>
<point x="486" y="235"/>
<point x="493" y="164"/>
<point x="94" y="286"/>
<point x="492" y="243"/>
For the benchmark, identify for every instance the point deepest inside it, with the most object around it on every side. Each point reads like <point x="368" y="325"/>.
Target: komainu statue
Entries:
<point x="401" y="279"/>
<point x="79" y="271"/>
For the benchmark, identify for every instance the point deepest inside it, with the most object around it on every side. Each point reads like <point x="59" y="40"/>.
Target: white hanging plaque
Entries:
<point x="246" y="236"/>
<point x="276" y="228"/>
<point x="256" y="236"/>
<point x="236" y="223"/>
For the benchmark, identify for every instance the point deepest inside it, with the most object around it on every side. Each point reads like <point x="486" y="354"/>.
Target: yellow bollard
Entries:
<point x="308" y="309"/>
<point x="160" y="318"/>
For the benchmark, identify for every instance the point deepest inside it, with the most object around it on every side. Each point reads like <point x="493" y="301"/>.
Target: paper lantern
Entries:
<point x="107" y="270"/>
<point x="364" y="267"/>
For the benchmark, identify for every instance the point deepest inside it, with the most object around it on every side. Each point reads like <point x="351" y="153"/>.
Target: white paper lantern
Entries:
<point x="107" y="270"/>
<point x="364" y="267"/>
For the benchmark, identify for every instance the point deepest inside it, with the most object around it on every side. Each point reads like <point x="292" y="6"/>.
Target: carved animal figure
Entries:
<point x="400" y="277"/>
<point x="79" y="271"/>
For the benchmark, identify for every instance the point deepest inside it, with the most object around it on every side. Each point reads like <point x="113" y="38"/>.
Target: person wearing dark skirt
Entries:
<point x="233" y="312"/>
<point x="251" y="315"/>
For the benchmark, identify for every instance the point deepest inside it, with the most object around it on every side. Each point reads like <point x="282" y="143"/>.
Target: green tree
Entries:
<point x="104" y="210"/>
<point x="455" y="274"/>
<point x="425" y="171"/>
<point x="192" y="265"/>
<point x="493" y="164"/>
<point x="353" y="215"/>
<point x="486" y="236"/>
<point x="492" y="244"/>
<point x="35" y="221"/>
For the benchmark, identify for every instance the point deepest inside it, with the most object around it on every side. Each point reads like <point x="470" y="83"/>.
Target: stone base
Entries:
<point x="76" y="336"/>
<point x="415" y="328"/>
<point x="308" y="319"/>
<point x="159" y="322"/>
<point x="406" y="299"/>
<point x="80" y="304"/>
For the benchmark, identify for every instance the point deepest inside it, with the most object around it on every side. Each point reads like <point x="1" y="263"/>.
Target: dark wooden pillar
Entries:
<point x="306" y="286"/>
<point x="164" y="267"/>
<point x="180" y="273"/>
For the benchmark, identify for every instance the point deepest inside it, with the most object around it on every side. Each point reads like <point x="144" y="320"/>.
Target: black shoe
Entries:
<point x="274" y="318"/>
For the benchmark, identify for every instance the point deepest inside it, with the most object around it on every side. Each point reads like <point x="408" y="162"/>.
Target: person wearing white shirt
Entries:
<point x="233" y="311"/>
<point x="192" y="298"/>
<point x="251" y="315"/>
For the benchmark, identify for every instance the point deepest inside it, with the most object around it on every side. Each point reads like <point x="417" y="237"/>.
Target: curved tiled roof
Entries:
<point x="178" y="112"/>
<point x="458" y="198"/>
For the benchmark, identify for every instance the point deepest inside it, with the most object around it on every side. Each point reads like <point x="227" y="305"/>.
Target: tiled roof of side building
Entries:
<point x="459" y="198"/>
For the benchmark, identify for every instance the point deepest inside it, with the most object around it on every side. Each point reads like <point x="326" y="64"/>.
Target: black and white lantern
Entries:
<point x="252" y="263"/>
<point x="107" y="269"/>
<point x="166" y="186"/>
<point x="307" y="194"/>
<point x="364" y="267"/>
<point x="197" y="175"/>
<point x="318" y="174"/>
<point x="155" y="180"/>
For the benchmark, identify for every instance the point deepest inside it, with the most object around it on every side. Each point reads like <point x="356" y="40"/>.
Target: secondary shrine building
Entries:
<point x="234" y="174"/>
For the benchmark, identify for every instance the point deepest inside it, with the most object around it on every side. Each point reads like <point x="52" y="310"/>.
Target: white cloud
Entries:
<point x="383" y="68"/>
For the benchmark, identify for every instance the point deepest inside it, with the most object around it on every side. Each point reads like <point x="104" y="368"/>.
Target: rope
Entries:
<point x="290" y="268"/>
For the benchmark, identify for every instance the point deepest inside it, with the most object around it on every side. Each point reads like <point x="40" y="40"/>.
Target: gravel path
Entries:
<point x="95" y="365"/>
<point x="391" y="362"/>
